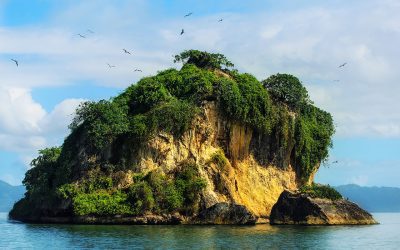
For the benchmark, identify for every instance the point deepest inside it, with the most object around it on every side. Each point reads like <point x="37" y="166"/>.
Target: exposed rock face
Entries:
<point x="297" y="208"/>
<point x="257" y="172"/>
<point x="224" y="213"/>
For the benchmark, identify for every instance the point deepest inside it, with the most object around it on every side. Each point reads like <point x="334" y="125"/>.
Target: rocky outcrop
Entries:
<point x="224" y="213"/>
<point x="149" y="219"/>
<point x="256" y="173"/>
<point x="298" y="208"/>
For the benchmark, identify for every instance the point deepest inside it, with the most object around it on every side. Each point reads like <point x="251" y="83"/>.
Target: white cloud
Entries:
<point x="55" y="124"/>
<point x="25" y="127"/>
<point x="19" y="114"/>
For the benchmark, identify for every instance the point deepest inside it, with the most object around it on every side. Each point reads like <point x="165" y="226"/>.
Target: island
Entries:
<point x="205" y="144"/>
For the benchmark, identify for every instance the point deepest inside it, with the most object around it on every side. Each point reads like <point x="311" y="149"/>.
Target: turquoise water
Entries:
<point x="22" y="236"/>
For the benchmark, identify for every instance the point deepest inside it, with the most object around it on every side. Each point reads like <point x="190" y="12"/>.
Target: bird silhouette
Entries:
<point x="188" y="14"/>
<point x="82" y="36"/>
<point x="138" y="70"/>
<point x="110" y="66"/>
<point x="16" y="62"/>
<point x="342" y="65"/>
<point x="90" y="31"/>
<point x="220" y="20"/>
<point x="183" y="31"/>
<point x="335" y="162"/>
<point x="336" y="80"/>
<point x="127" y="52"/>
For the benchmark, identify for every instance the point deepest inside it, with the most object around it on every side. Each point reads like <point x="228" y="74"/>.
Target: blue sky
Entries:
<point x="309" y="39"/>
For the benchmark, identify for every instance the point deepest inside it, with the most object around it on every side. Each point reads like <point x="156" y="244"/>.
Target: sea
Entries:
<point x="386" y="235"/>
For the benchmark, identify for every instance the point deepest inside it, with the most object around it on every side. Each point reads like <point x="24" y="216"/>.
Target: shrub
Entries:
<point x="39" y="179"/>
<point x="203" y="59"/>
<point x="190" y="184"/>
<point x="167" y="197"/>
<point x="140" y="196"/>
<point x="102" y="120"/>
<point x="313" y="132"/>
<point x="244" y="99"/>
<point x="287" y="89"/>
<point x="174" y="117"/>
<point x="321" y="191"/>
<point x="101" y="203"/>
<point x="146" y="94"/>
<point x="219" y="159"/>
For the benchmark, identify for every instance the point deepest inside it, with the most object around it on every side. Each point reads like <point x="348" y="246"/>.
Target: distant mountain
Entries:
<point x="9" y="195"/>
<point x="373" y="199"/>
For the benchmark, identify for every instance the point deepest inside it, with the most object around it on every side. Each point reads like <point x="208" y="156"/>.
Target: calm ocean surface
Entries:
<point x="23" y="236"/>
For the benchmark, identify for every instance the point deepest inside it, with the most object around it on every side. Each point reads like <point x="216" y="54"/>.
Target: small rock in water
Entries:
<point x="298" y="208"/>
<point x="224" y="213"/>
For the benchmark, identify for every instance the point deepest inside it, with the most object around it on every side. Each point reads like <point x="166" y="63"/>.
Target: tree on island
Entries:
<point x="203" y="59"/>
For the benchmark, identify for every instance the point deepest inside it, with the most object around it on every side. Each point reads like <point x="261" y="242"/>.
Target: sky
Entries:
<point x="58" y="69"/>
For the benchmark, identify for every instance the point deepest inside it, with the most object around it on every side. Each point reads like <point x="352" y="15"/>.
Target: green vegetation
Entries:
<point x="321" y="191"/>
<point x="105" y="136"/>
<point x="101" y="203"/>
<point x="38" y="179"/>
<point x="219" y="159"/>
<point x="203" y="59"/>
<point x="287" y="89"/>
<point x="154" y="192"/>
<point x="314" y="129"/>
<point x="102" y="120"/>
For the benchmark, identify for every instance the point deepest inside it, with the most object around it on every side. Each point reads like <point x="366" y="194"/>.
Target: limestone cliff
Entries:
<point x="245" y="179"/>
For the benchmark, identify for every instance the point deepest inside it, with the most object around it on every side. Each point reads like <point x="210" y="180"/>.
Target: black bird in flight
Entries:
<point x="336" y="80"/>
<point x="138" y="70"/>
<point x="90" y="31"/>
<point x="16" y="62"/>
<point x="188" y="14"/>
<point x="82" y="36"/>
<point x="127" y="52"/>
<point x="110" y="66"/>
<point x="335" y="162"/>
<point x="183" y="31"/>
<point x="220" y="20"/>
<point x="342" y="65"/>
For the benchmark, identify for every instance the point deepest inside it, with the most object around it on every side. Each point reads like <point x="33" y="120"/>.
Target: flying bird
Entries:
<point x="188" y="14"/>
<point x="138" y="70"/>
<point x="90" y="31"/>
<point x="342" y="65"/>
<point x="110" y="66"/>
<point x="82" y="36"/>
<point x="183" y="31"/>
<point x="336" y="80"/>
<point x="16" y="62"/>
<point x="220" y="20"/>
<point x="335" y="162"/>
<point x="127" y="52"/>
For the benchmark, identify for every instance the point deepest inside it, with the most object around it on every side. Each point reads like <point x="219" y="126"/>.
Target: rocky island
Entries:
<point x="201" y="145"/>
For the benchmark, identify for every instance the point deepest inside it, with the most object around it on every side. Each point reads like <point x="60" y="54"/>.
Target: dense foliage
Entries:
<point x="313" y="132"/>
<point x="154" y="192"/>
<point x="103" y="120"/>
<point x="81" y="171"/>
<point x="39" y="179"/>
<point x="219" y="159"/>
<point x="287" y="89"/>
<point x="321" y="191"/>
<point x="203" y="59"/>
